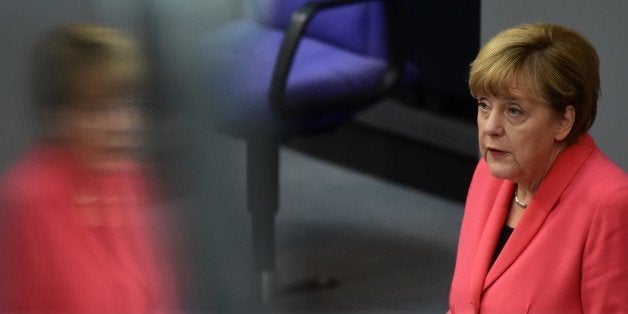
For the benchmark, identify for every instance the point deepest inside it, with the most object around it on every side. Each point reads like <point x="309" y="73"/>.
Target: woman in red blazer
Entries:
<point x="79" y="232"/>
<point x="544" y="229"/>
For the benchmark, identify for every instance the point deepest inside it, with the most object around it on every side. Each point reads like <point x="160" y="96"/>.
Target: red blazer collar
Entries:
<point x="550" y="189"/>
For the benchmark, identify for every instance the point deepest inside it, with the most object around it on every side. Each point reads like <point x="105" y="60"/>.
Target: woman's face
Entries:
<point x="519" y="135"/>
<point x="101" y="124"/>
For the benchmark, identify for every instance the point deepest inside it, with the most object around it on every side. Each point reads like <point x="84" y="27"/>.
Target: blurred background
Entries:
<point x="368" y="210"/>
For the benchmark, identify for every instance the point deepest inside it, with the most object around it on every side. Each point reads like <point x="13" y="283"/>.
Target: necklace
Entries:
<point x="520" y="203"/>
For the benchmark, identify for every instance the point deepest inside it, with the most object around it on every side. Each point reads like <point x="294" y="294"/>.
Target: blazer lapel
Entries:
<point x="551" y="188"/>
<point x="525" y="231"/>
<point x="489" y="238"/>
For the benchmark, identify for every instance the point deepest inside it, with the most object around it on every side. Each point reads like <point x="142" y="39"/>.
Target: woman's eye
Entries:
<point x="483" y="106"/>
<point x="515" y="111"/>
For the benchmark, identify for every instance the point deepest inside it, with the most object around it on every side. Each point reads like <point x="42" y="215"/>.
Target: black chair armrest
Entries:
<point x="298" y="24"/>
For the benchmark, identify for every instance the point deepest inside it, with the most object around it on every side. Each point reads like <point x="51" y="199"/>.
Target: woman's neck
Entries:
<point x="525" y="189"/>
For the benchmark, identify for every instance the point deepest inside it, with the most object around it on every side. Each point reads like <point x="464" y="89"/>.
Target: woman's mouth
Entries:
<point x="496" y="153"/>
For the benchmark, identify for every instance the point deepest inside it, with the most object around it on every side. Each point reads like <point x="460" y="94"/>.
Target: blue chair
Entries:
<point x="290" y="67"/>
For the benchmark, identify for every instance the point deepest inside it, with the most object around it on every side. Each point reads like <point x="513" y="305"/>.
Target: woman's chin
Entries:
<point x="111" y="162"/>
<point x="502" y="171"/>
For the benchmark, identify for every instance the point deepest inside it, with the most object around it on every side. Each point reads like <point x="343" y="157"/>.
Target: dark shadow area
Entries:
<point x="442" y="38"/>
<point x="393" y="158"/>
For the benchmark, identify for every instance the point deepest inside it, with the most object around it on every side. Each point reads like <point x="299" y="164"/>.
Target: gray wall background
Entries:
<point x="605" y="24"/>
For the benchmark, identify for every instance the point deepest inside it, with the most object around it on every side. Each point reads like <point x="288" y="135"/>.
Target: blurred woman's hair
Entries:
<point x="72" y="52"/>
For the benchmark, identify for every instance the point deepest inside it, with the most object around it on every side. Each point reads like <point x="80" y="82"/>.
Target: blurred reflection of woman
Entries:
<point x="78" y="231"/>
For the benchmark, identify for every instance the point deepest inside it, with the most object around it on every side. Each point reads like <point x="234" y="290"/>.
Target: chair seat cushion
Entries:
<point x="238" y="64"/>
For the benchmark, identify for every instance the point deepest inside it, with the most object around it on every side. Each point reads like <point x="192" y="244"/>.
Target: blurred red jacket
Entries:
<point x="76" y="241"/>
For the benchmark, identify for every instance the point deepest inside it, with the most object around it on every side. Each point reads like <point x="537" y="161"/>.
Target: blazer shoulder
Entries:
<point x="600" y="185"/>
<point x="37" y="176"/>
<point x="602" y="173"/>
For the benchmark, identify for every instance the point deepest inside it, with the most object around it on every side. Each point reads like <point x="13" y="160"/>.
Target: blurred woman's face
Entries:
<point x="101" y="124"/>
<point x="519" y="135"/>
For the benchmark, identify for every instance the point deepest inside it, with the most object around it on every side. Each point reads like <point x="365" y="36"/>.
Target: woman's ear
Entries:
<point x="565" y="123"/>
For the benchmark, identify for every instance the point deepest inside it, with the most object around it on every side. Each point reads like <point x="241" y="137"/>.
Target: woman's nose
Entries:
<point x="492" y="124"/>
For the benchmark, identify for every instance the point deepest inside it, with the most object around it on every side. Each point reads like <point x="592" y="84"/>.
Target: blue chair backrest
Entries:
<point x="359" y="27"/>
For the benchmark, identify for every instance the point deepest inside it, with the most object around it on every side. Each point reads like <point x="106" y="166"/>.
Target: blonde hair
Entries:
<point x="72" y="50"/>
<point x="551" y="61"/>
